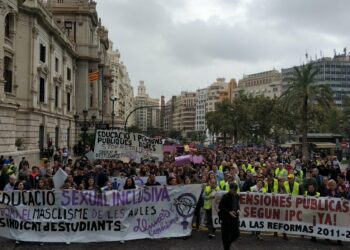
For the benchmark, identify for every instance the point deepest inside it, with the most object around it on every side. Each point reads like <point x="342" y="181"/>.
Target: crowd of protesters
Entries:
<point x="263" y="170"/>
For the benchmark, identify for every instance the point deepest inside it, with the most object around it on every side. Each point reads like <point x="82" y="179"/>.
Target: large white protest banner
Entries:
<point x="86" y="216"/>
<point x="117" y="144"/>
<point x="322" y="217"/>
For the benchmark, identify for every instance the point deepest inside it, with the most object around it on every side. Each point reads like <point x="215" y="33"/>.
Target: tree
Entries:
<point x="213" y="122"/>
<point x="303" y="93"/>
<point x="174" y="134"/>
<point x="134" y="129"/>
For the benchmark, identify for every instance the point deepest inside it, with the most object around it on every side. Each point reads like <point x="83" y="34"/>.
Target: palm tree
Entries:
<point x="302" y="93"/>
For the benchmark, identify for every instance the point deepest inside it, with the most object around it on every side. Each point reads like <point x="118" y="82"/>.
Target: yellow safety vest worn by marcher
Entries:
<point x="295" y="190"/>
<point x="275" y="186"/>
<point x="207" y="202"/>
<point x="225" y="186"/>
<point x="317" y="194"/>
<point x="11" y="170"/>
<point x="300" y="176"/>
<point x="281" y="172"/>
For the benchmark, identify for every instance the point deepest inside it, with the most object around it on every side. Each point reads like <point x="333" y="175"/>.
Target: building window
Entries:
<point x="41" y="137"/>
<point x="56" y="96"/>
<point x="57" y="131"/>
<point x="68" y="102"/>
<point x="56" y="65"/>
<point x="42" y="90"/>
<point x="68" y="137"/>
<point x="8" y="74"/>
<point x="42" y="53"/>
<point x="8" y="26"/>
<point x="69" y="74"/>
<point x="59" y="1"/>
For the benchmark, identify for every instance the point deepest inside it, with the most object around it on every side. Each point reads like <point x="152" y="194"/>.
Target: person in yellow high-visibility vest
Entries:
<point x="271" y="184"/>
<point x="292" y="187"/>
<point x="209" y="193"/>
<point x="223" y="182"/>
<point x="225" y="185"/>
<point x="223" y="166"/>
<point x="281" y="171"/>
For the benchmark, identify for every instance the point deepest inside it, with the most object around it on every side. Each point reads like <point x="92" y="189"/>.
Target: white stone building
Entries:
<point x="146" y="117"/>
<point x="37" y="101"/>
<point x="200" y="124"/>
<point x="47" y="51"/>
<point x="267" y="83"/>
<point x="122" y="89"/>
<point x="217" y="92"/>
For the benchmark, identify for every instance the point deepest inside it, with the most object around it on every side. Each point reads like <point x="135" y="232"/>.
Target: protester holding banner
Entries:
<point x="151" y="181"/>
<point x="129" y="183"/>
<point x="209" y="194"/>
<point x="200" y="203"/>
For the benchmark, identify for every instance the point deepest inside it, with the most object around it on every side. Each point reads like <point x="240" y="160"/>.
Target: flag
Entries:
<point x="94" y="76"/>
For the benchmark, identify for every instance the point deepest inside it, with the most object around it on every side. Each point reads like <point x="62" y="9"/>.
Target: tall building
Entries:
<point x="37" y="81"/>
<point x="146" y="118"/>
<point x="267" y="83"/>
<point x="202" y="95"/>
<point x="217" y="92"/>
<point x="334" y="72"/>
<point x="183" y="118"/>
<point x="169" y="110"/>
<point x="232" y="86"/>
<point x="121" y="89"/>
<point x="57" y="69"/>
<point x="80" y="23"/>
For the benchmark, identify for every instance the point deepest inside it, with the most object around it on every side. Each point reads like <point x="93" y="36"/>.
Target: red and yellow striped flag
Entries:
<point x="93" y="76"/>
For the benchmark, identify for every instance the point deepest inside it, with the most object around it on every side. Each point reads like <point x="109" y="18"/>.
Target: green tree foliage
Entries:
<point x="134" y="129"/>
<point x="302" y="94"/>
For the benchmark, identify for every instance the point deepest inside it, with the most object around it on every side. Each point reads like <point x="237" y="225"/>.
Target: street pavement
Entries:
<point x="197" y="241"/>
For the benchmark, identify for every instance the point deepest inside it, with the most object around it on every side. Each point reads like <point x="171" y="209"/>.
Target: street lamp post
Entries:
<point x="85" y="113"/>
<point x="76" y="117"/>
<point x="93" y="119"/>
<point x="349" y="136"/>
<point x="113" y="99"/>
<point x="141" y="107"/>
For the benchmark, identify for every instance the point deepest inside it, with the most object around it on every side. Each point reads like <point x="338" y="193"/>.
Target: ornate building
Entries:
<point x="146" y="118"/>
<point x="267" y="83"/>
<point x="48" y="51"/>
<point x="37" y="88"/>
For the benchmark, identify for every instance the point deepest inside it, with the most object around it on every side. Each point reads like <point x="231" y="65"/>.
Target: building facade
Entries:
<point x="217" y="92"/>
<point x="184" y="115"/>
<point x="200" y="124"/>
<point x="267" y="83"/>
<point x="49" y="50"/>
<point x="80" y="23"/>
<point x="334" y="72"/>
<point x="169" y="110"/>
<point x="121" y="89"/>
<point x="38" y="85"/>
<point x="146" y="118"/>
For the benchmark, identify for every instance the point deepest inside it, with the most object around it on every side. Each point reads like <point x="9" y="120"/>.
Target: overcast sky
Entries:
<point x="176" y="45"/>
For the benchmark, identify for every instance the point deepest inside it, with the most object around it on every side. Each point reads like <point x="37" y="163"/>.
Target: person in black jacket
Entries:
<point x="229" y="216"/>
